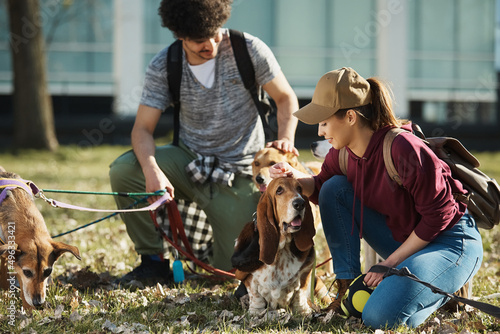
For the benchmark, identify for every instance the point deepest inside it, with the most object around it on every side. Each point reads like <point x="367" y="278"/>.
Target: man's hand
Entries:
<point x="283" y="145"/>
<point x="156" y="180"/>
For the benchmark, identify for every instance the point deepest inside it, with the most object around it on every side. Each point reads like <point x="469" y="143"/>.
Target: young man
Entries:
<point x="218" y="121"/>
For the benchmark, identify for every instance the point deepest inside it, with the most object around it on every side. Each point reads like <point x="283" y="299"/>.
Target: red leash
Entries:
<point x="177" y="228"/>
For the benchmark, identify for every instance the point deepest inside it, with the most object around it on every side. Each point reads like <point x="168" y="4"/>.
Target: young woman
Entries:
<point x="420" y="225"/>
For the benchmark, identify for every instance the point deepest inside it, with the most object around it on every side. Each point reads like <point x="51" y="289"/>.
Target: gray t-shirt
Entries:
<point x="220" y="121"/>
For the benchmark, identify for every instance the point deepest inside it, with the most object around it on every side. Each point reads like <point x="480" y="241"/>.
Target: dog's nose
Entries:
<point x="37" y="301"/>
<point x="259" y="179"/>
<point x="314" y="145"/>
<point x="298" y="204"/>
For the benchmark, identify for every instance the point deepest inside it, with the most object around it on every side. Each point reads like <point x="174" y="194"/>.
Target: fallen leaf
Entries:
<point x="478" y="325"/>
<point x="159" y="289"/>
<point x="58" y="311"/>
<point x="24" y="322"/>
<point x="75" y="316"/>
<point x="108" y="325"/>
<point x="44" y="321"/>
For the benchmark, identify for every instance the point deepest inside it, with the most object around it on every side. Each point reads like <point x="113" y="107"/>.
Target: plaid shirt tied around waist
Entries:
<point x="203" y="169"/>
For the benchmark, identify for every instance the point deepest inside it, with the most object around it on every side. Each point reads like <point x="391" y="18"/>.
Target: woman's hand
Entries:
<point x="373" y="279"/>
<point x="281" y="169"/>
<point x="409" y="247"/>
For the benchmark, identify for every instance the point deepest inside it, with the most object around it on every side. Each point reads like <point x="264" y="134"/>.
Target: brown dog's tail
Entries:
<point x="2" y="169"/>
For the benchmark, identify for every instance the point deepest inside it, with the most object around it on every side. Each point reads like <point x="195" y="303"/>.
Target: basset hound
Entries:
<point x="274" y="255"/>
<point x="269" y="156"/>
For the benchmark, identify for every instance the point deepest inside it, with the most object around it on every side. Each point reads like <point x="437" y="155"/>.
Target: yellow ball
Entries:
<point x="359" y="300"/>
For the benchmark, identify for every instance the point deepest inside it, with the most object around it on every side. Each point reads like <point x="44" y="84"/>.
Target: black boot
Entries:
<point x="149" y="272"/>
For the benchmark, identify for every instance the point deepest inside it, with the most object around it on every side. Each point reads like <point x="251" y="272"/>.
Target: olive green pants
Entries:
<point x="227" y="208"/>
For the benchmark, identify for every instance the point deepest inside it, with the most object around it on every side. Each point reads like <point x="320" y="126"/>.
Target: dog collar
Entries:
<point x="8" y="184"/>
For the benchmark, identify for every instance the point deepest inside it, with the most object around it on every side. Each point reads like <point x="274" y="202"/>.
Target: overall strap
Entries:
<point x="174" y="76"/>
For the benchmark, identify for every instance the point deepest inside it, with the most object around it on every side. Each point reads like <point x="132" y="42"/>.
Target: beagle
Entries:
<point x="26" y="250"/>
<point x="267" y="157"/>
<point x="274" y="256"/>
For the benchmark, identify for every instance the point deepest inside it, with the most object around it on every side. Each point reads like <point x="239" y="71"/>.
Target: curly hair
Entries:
<point x="194" y="19"/>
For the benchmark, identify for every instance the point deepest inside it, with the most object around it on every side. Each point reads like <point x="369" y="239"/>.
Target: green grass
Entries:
<point x="81" y="304"/>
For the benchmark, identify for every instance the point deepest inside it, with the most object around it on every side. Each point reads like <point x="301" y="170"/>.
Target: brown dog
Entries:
<point x="265" y="159"/>
<point x="275" y="254"/>
<point x="27" y="250"/>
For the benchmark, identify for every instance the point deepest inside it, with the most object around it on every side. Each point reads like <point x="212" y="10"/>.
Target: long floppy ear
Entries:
<point x="268" y="233"/>
<point x="247" y="249"/>
<point x="61" y="248"/>
<point x="304" y="237"/>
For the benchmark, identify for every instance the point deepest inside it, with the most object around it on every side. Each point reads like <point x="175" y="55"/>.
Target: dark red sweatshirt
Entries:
<point x="426" y="202"/>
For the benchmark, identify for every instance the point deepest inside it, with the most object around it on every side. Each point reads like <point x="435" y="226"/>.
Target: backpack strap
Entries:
<point x="246" y="69"/>
<point x="387" y="151"/>
<point x="343" y="156"/>
<point x="387" y="147"/>
<point x="243" y="60"/>
<point x="174" y="76"/>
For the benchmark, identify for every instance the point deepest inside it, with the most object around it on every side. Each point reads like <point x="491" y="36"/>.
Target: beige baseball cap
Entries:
<point x="338" y="89"/>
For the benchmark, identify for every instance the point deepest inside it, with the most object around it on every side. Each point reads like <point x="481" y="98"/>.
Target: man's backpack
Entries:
<point x="266" y="110"/>
<point x="483" y="200"/>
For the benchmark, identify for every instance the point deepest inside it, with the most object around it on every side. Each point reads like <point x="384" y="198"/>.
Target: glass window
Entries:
<point x="451" y="58"/>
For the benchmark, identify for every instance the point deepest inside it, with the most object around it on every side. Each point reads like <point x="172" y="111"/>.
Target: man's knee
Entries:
<point x="122" y="169"/>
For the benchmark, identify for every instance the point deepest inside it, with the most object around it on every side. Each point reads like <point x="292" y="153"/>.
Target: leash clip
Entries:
<point x="41" y="195"/>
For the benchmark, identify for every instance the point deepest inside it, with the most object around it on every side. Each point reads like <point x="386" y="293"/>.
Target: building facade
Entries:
<point x="438" y="55"/>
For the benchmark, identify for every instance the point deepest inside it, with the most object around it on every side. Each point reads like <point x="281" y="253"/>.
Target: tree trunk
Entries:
<point x="33" y="115"/>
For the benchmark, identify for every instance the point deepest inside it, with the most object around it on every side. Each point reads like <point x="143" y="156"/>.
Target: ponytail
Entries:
<point x="382" y="112"/>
